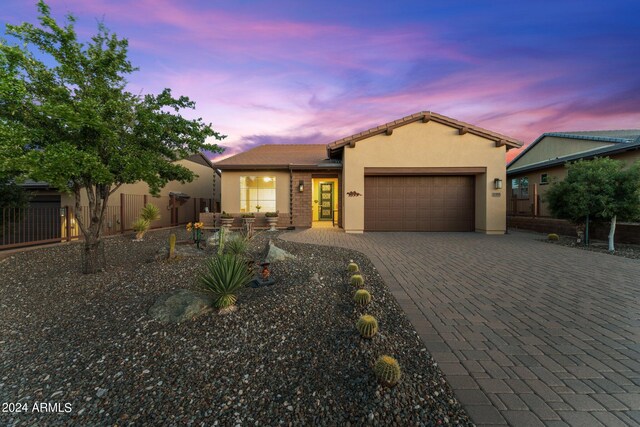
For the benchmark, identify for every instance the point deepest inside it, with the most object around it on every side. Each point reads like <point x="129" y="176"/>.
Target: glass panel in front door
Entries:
<point x="326" y="201"/>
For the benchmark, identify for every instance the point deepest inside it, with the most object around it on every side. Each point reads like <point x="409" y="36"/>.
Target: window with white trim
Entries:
<point x="257" y="194"/>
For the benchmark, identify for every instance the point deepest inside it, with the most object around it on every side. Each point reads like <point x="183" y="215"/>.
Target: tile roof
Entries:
<point x="589" y="154"/>
<point x="278" y="155"/>
<point x="608" y="136"/>
<point x="425" y="116"/>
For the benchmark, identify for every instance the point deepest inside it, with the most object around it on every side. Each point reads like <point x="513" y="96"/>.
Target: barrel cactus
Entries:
<point x="353" y="267"/>
<point x="362" y="297"/>
<point x="553" y="237"/>
<point x="387" y="371"/>
<point x="367" y="326"/>
<point x="357" y="281"/>
<point x="172" y="246"/>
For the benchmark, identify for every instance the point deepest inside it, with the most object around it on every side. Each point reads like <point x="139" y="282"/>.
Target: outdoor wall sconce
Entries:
<point x="497" y="183"/>
<point x="301" y="186"/>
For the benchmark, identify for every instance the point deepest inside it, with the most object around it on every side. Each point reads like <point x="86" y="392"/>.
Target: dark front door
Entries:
<point x="326" y="201"/>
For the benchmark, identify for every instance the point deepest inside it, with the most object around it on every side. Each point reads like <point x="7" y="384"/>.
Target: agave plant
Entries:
<point x="224" y="276"/>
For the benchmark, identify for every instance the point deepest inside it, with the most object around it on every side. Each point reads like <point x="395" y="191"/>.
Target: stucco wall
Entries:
<point x="230" y="189"/>
<point x="551" y="147"/>
<point x="200" y="187"/>
<point x="427" y="145"/>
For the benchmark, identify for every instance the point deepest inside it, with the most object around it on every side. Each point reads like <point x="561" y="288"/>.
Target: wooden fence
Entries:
<point x="41" y="225"/>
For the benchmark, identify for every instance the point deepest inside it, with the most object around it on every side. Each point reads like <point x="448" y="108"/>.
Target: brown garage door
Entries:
<point x="419" y="203"/>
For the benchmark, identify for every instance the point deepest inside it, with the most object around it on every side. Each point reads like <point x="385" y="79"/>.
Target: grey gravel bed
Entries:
<point x="290" y="355"/>
<point x="622" y="249"/>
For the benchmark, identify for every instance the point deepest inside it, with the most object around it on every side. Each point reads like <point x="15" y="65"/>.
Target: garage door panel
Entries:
<point x="419" y="203"/>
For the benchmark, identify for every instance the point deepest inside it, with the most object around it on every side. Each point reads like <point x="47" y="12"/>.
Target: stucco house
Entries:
<point x="51" y="215"/>
<point x="543" y="161"/>
<point x="423" y="172"/>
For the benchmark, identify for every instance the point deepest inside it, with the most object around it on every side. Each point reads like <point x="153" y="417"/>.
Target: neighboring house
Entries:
<point x="544" y="160"/>
<point x="424" y="172"/>
<point x="51" y="214"/>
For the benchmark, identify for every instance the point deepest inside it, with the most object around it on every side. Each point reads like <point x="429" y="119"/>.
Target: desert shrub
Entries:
<point x="352" y="267"/>
<point x="553" y="237"/>
<point x="224" y="276"/>
<point x="387" y="370"/>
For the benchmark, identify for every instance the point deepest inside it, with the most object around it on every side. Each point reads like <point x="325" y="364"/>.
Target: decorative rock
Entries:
<point x="277" y="254"/>
<point x="179" y="306"/>
<point x="101" y="392"/>
<point x="181" y="251"/>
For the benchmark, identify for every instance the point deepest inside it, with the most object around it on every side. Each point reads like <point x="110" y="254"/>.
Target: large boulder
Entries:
<point x="180" y="305"/>
<point x="277" y="254"/>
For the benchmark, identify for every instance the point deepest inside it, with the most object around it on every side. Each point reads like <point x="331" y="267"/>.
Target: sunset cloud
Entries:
<point x="292" y="72"/>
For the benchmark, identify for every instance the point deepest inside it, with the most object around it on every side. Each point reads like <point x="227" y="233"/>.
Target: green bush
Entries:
<point x="367" y="326"/>
<point x="236" y="246"/>
<point x="362" y="297"/>
<point x="553" y="237"/>
<point x="387" y="371"/>
<point x="271" y="214"/>
<point x="224" y="276"/>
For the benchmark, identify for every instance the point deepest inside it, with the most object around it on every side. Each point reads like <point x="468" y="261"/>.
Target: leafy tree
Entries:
<point x="601" y="189"/>
<point x="66" y="118"/>
<point x="12" y="195"/>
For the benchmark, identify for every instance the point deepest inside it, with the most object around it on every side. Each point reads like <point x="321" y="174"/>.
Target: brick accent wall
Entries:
<point x="301" y="214"/>
<point x="625" y="232"/>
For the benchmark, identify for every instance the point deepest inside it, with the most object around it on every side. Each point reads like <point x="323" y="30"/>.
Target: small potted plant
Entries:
<point x="258" y="207"/>
<point x="249" y="217"/>
<point x="226" y="219"/>
<point x="272" y="220"/>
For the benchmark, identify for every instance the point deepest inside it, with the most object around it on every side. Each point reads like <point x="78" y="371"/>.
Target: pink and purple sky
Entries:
<point x="291" y="71"/>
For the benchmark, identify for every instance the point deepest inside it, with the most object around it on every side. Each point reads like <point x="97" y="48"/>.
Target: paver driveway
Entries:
<point x="527" y="333"/>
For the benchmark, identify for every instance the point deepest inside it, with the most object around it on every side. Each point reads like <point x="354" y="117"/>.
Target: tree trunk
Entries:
<point x="93" y="259"/>
<point x="612" y="233"/>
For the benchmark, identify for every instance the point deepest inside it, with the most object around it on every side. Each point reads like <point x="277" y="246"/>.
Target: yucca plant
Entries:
<point x="224" y="276"/>
<point x="237" y="246"/>
<point x="150" y="212"/>
<point x="140" y="226"/>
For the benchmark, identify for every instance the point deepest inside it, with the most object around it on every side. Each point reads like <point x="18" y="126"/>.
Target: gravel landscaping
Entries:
<point x="290" y="354"/>
<point x="623" y="250"/>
